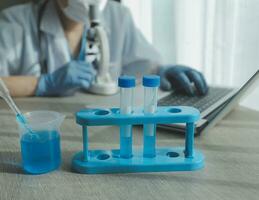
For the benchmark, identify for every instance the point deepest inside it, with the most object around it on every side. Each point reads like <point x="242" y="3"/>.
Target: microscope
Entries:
<point x="98" y="52"/>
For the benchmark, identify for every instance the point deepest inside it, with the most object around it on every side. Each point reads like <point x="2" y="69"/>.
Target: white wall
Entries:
<point x="142" y="17"/>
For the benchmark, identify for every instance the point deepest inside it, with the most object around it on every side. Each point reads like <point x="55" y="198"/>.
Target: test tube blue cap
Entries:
<point x="151" y="81"/>
<point x="127" y="81"/>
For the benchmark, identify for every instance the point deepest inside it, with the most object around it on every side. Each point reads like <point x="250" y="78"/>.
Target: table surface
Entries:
<point x="231" y="150"/>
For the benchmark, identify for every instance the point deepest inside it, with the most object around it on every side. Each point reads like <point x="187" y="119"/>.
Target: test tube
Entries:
<point x="151" y="84"/>
<point x="126" y="84"/>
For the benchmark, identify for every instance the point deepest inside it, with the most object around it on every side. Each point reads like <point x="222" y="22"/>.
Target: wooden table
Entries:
<point x="231" y="150"/>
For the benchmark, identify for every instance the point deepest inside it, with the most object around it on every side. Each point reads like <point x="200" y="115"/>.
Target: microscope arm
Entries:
<point x="104" y="62"/>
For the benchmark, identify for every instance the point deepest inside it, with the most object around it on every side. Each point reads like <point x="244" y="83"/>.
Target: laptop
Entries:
<point x="213" y="107"/>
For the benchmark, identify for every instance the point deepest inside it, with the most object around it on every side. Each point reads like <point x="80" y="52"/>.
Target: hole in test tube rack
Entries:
<point x="172" y="154"/>
<point x="103" y="156"/>
<point x="174" y="110"/>
<point x="102" y="112"/>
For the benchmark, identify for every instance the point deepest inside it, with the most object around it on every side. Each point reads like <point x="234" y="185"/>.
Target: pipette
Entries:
<point x="5" y="94"/>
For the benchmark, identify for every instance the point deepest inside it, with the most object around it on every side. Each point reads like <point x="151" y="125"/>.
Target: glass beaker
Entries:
<point x="40" y="143"/>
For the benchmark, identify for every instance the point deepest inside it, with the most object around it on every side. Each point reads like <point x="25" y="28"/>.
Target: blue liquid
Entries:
<point x="40" y="152"/>
<point x="149" y="146"/>
<point x="126" y="147"/>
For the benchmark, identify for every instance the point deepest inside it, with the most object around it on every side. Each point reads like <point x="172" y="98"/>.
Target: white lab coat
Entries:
<point x="19" y="40"/>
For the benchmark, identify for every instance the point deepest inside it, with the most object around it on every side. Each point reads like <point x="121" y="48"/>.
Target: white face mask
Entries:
<point x="78" y="10"/>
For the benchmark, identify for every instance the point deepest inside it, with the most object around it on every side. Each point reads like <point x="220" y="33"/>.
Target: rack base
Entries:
<point x="167" y="159"/>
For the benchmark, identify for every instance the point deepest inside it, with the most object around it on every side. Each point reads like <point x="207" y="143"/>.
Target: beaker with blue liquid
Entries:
<point x="40" y="143"/>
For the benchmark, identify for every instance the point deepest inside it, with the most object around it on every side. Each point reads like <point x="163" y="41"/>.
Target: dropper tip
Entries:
<point x="20" y="118"/>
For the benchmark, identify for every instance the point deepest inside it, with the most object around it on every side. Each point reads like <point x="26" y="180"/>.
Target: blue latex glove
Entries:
<point x="180" y="78"/>
<point x="66" y="80"/>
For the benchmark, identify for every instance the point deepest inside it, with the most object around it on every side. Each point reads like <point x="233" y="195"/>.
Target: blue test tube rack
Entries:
<point x="165" y="159"/>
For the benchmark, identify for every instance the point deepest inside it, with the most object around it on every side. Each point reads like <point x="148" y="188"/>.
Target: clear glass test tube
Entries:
<point x="151" y="84"/>
<point x="127" y="85"/>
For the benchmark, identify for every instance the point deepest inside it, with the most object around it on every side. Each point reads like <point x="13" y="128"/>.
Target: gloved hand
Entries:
<point x="66" y="80"/>
<point x="180" y="78"/>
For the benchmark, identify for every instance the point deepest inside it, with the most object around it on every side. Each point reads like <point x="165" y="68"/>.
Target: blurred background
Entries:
<point x="218" y="37"/>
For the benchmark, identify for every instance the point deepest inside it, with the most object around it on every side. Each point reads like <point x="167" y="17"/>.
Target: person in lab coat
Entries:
<point x="43" y="49"/>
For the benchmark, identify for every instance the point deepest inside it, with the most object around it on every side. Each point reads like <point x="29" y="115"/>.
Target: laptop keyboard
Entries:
<point x="199" y="102"/>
